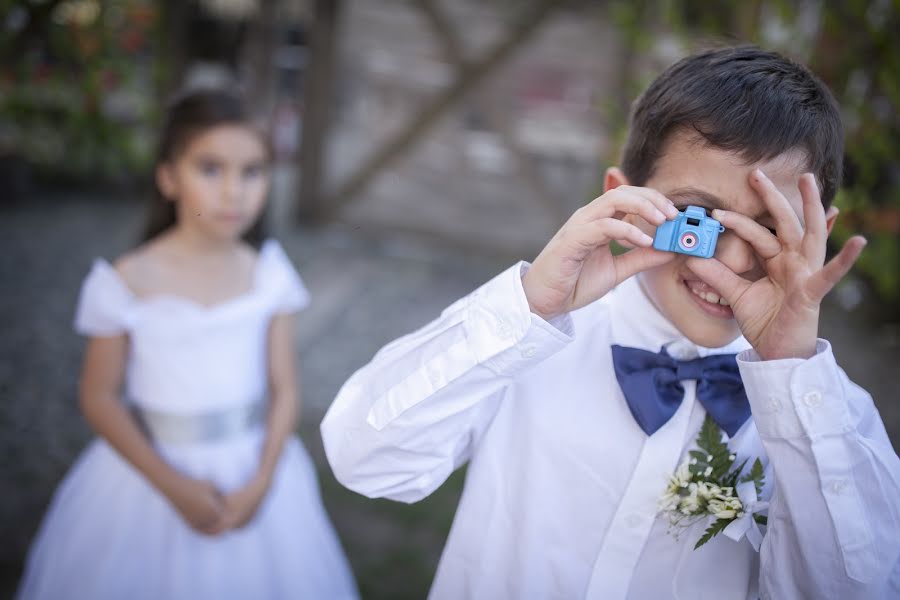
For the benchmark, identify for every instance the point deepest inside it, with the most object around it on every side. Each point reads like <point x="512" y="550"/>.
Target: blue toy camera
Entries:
<point x="692" y="233"/>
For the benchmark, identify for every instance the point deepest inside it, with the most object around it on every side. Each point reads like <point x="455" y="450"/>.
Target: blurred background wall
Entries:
<point x="422" y="146"/>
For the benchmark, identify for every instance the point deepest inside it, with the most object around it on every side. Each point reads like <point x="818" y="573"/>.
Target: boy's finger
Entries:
<point x="639" y="259"/>
<point x="827" y="277"/>
<point x="599" y="233"/>
<point x="764" y="243"/>
<point x="619" y="201"/>
<point x="659" y="200"/>
<point x="790" y="231"/>
<point x="814" y="217"/>
<point x="726" y="282"/>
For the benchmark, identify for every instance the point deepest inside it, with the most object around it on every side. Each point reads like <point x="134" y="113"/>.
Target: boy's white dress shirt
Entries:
<point x="562" y="486"/>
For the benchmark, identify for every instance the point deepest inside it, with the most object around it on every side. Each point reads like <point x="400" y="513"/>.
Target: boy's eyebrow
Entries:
<point x="690" y="195"/>
<point x="696" y="196"/>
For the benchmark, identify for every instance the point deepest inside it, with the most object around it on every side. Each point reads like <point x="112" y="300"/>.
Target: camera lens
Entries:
<point x="688" y="240"/>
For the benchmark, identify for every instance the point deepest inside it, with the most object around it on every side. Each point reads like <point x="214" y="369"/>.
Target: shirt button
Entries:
<point x="632" y="521"/>
<point x="812" y="398"/>
<point x="837" y="486"/>
<point x="434" y="377"/>
<point x="504" y="331"/>
<point x="773" y="404"/>
<point x="528" y="350"/>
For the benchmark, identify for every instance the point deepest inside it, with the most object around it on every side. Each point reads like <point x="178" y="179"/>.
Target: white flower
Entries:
<point x="679" y="479"/>
<point x="669" y="501"/>
<point x="682" y="473"/>
<point x="726" y="492"/>
<point x="707" y="490"/>
<point x="690" y="504"/>
<point x="678" y="482"/>
<point x="724" y="508"/>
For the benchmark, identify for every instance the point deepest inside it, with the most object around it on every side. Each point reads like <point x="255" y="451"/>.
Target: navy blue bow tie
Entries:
<point x="652" y="386"/>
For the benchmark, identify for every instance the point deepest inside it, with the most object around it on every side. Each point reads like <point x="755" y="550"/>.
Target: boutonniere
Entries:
<point x="707" y="485"/>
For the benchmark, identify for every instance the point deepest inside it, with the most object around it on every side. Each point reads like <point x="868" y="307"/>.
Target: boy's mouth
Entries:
<point x="708" y="299"/>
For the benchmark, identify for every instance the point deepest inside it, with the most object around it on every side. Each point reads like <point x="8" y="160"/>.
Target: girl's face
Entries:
<point x="219" y="181"/>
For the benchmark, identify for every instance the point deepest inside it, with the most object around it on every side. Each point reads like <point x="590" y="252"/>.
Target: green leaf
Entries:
<point x="757" y="475"/>
<point x="713" y="530"/>
<point x="700" y="456"/>
<point x="761" y="519"/>
<point x="731" y="479"/>
<point x="710" y="438"/>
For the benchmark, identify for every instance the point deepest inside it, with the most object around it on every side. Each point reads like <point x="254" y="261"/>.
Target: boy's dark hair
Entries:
<point x="742" y="99"/>
<point x="188" y="116"/>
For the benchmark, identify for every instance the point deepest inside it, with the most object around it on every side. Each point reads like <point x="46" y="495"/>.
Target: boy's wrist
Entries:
<point x="800" y="343"/>
<point x="753" y="355"/>
<point x="529" y="294"/>
<point x="803" y="352"/>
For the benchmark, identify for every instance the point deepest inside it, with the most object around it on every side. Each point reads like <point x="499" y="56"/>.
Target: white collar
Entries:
<point x="636" y="322"/>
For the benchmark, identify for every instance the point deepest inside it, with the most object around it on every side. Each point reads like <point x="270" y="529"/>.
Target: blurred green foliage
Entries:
<point x="74" y="99"/>
<point x="852" y="45"/>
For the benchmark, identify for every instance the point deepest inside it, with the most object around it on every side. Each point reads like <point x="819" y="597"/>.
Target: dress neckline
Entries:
<point x="184" y="300"/>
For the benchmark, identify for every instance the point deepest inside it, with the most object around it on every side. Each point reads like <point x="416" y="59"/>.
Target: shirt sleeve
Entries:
<point x="834" y="519"/>
<point x="401" y="424"/>
<point x="104" y="304"/>
<point x="288" y="292"/>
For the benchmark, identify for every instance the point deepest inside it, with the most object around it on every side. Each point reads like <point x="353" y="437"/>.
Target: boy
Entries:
<point x="570" y="441"/>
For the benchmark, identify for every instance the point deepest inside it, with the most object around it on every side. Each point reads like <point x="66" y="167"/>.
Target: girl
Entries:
<point x="196" y="487"/>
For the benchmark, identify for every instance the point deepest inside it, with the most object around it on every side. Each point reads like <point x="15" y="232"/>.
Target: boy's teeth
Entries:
<point x="711" y="297"/>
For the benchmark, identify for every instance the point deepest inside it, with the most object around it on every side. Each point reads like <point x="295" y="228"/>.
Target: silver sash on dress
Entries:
<point x="173" y="428"/>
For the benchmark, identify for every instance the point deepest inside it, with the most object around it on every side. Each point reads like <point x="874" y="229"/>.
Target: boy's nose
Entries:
<point x="736" y="254"/>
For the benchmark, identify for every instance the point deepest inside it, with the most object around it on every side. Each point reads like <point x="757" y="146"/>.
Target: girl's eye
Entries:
<point x="253" y="171"/>
<point x="209" y="168"/>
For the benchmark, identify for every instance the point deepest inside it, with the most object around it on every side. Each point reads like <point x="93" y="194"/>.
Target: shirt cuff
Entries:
<point x="504" y="334"/>
<point x="796" y="397"/>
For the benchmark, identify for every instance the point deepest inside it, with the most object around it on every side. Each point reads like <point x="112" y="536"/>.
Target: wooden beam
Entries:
<point x="443" y="29"/>
<point x="258" y="59"/>
<point x="527" y="168"/>
<point x="317" y="100"/>
<point x="468" y="77"/>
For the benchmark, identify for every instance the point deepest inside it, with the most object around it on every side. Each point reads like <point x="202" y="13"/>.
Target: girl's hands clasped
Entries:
<point x="577" y="267"/>
<point x="241" y="505"/>
<point x="200" y="504"/>
<point x="210" y="512"/>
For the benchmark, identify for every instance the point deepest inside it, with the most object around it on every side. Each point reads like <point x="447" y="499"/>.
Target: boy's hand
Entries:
<point x="576" y="267"/>
<point x="779" y="313"/>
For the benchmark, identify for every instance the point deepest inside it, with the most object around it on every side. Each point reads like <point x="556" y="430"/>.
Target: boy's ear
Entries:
<point x="165" y="181"/>
<point x="831" y="216"/>
<point x="614" y="178"/>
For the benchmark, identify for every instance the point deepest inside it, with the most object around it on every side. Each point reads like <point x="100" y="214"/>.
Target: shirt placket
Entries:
<point x="636" y="513"/>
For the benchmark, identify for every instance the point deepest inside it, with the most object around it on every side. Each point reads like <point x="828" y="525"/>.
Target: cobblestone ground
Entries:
<point x="367" y="290"/>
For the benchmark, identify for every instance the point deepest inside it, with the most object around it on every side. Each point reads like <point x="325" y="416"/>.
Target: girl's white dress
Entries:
<point x="110" y="534"/>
